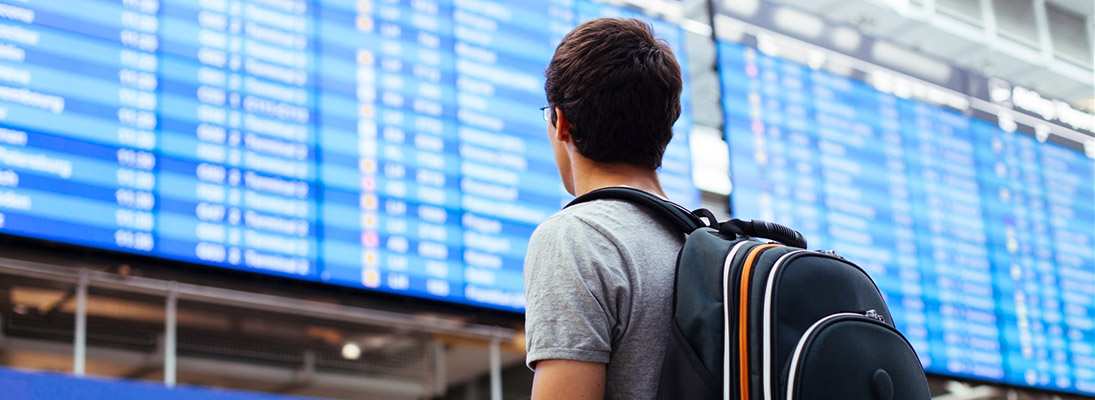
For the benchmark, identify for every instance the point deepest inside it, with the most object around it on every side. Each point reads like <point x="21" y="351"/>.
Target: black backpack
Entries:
<point x="762" y="320"/>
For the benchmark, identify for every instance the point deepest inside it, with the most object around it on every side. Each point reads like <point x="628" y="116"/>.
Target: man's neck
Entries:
<point x="590" y="175"/>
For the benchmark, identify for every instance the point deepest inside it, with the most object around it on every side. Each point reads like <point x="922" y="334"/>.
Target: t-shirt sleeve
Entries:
<point x="570" y="305"/>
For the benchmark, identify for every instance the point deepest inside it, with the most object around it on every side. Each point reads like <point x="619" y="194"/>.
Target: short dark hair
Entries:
<point x="620" y="89"/>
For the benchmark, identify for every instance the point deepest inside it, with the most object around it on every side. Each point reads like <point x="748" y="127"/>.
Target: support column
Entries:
<point x="79" y="358"/>
<point x="495" y="367"/>
<point x="1089" y="23"/>
<point x="169" y="337"/>
<point x="1041" y="20"/>
<point x="929" y="9"/>
<point x="988" y="16"/>
<point x="440" y="379"/>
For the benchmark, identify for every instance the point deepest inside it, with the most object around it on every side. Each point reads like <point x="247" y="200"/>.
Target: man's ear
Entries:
<point x="562" y="126"/>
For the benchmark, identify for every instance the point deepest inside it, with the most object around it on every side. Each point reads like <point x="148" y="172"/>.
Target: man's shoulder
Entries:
<point x="601" y="216"/>
<point x="609" y="220"/>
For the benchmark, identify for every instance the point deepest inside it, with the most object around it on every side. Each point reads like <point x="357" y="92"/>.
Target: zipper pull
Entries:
<point x="872" y="314"/>
<point x="831" y="253"/>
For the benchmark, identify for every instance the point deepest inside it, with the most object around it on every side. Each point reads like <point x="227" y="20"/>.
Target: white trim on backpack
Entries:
<point x="726" y="320"/>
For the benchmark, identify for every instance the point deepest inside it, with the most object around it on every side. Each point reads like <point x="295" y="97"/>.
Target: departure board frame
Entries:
<point x="389" y="146"/>
<point x="967" y="203"/>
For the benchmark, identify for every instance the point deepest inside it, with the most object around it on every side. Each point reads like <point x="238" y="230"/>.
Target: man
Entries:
<point x="599" y="275"/>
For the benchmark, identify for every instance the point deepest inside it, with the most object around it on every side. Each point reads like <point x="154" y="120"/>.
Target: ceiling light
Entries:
<point x="351" y="351"/>
<point x="745" y="8"/>
<point x="846" y="39"/>
<point x="798" y="22"/>
<point x="1086" y="105"/>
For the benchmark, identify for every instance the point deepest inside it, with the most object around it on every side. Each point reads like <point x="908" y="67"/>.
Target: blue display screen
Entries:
<point x="26" y="385"/>
<point x="387" y="145"/>
<point x="982" y="240"/>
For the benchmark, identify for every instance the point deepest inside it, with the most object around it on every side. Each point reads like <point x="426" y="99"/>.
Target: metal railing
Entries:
<point x="172" y="292"/>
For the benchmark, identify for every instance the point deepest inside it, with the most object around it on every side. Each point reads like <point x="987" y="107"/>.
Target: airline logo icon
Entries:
<point x="370" y="240"/>
<point x="368" y="221"/>
<point x="370" y="277"/>
<point x="369" y="201"/>
<point x="370" y="259"/>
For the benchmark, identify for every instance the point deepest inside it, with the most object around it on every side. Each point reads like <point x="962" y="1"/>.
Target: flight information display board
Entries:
<point x="982" y="239"/>
<point x="388" y="145"/>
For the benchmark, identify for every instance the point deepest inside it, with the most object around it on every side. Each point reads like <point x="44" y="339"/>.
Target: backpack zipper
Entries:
<point x="743" y="318"/>
<point x="872" y="314"/>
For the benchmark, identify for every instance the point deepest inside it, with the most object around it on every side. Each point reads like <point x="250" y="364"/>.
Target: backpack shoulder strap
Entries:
<point x="688" y="221"/>
<point x="670" y="211"/>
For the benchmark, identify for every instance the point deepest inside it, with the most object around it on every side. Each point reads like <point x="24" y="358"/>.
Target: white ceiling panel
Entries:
<point x="820" y="7"/>
<point x="931" y="40"/>
<point x="1081" y="7"/>
<point x="871" y="18"/>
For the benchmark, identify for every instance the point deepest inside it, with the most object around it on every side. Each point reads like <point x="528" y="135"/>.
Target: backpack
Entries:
<point x="768" y="320"/>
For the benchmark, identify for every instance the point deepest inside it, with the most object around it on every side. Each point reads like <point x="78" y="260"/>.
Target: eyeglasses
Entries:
<point x="547" y="113"/>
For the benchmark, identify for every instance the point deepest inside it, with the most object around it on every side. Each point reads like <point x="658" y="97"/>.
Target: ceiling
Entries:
<point x="1081" y="7"/>
<point x="955" y="33"/>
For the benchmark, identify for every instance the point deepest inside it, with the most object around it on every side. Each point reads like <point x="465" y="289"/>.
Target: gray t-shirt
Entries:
<point x="599" y="287"/>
